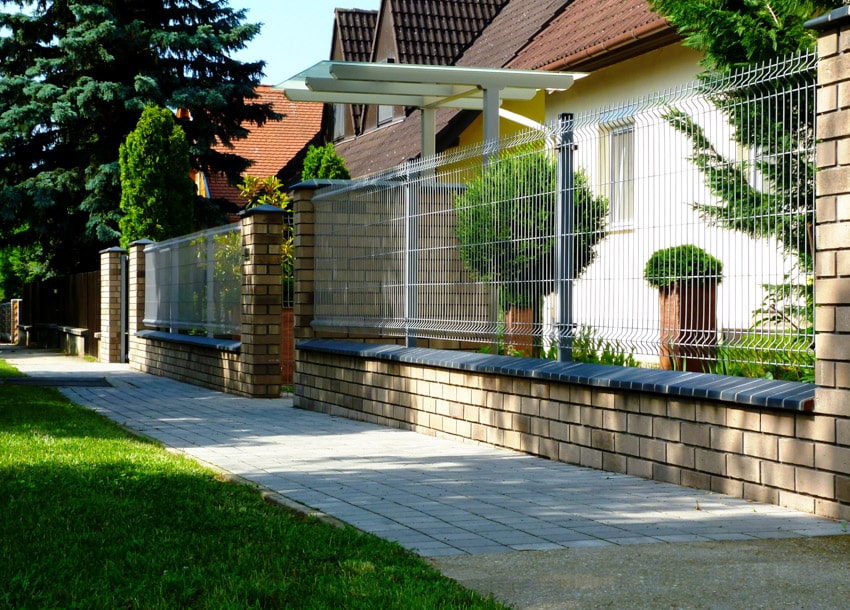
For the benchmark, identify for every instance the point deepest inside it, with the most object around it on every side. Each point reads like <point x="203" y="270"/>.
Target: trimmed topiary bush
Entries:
<point x="681" y="263"/>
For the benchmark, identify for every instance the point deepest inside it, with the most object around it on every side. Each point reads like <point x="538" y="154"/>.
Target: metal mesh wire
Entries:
<point x="193" y="283"/>
<point x="542" y="248"/>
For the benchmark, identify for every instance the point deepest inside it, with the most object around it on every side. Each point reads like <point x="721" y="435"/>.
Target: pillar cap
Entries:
<point x="114" y="249"/>
<point x="261" y="209"/>
<point x="142" y="242"/>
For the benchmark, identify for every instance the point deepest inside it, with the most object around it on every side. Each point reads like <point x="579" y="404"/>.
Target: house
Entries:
<point x="629" y="53"/>
<point x="527" y="34"/>
<point x="276" y="148"/>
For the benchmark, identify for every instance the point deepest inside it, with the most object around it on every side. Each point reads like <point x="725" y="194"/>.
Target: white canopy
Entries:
<point x="424" y="87"/>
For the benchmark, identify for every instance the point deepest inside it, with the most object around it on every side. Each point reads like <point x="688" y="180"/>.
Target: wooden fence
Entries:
<point x="71" y="302"/>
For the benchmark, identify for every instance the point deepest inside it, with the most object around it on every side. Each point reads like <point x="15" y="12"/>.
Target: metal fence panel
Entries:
<point x="542" y="249"/>
<point x="193" y="283"/>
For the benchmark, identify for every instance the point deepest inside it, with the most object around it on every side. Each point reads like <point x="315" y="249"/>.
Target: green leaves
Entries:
<point x="157" y="194"/>
<point x="323" y="162"/>
<point x="74" y="79"/>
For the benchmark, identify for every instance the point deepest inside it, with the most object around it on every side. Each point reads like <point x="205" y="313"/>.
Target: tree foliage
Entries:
<point x="768" y="117"/>
<point x="75" y="76"/>
<point x="157" y="193"/>
<point x="506" y="225"/>
<point x="735" y="33"/>
<point x="323" y="162"/>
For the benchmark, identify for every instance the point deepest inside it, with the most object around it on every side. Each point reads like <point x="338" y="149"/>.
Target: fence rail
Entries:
<point x="671" y="231"/>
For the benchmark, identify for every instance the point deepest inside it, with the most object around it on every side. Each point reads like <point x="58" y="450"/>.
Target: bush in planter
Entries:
<point x="686" y="277"/>
<point x="681" y="263"/>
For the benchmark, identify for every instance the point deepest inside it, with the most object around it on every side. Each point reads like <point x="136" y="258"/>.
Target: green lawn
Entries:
<point x="91" y="517"/>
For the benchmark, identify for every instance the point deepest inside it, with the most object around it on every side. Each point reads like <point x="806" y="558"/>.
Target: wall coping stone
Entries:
<point x="766" y="393"/>
<point x="222" y="345"/>
<point x="833" y="19"/>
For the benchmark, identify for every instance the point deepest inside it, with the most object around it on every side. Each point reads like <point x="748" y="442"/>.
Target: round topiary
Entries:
<point x="685" y="263"/>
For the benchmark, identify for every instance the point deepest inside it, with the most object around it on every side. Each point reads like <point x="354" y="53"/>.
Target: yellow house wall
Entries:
<point x="534" y="109"/>
<point x="652" y="72"/>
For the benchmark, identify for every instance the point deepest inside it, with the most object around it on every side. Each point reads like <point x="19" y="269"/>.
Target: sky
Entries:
<point x="296" y="33"/>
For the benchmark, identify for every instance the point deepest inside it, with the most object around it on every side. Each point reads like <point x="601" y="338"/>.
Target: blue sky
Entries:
<point x="295" y="35"/>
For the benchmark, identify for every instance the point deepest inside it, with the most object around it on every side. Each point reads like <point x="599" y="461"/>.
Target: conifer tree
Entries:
<point x="75" y="76"/>
<point x="324" y="162"/>
<point x="157" y="194"/>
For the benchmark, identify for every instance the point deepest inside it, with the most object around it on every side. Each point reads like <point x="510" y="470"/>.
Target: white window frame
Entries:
<point x="621" y="175"/>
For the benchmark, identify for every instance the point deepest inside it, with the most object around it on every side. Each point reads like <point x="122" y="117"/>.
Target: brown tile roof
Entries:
<point x="437" y="32"/>
<point x="356" y="31"/>
<point x="529" y="34"/>
<point x="275" y="143"/>
<point x="511" y="30"/>
<point x="589" y="34"/>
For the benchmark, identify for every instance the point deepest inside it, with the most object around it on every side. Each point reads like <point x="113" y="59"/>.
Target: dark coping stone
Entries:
<point x="766" y="393"/>
<point x="223" y="345"/>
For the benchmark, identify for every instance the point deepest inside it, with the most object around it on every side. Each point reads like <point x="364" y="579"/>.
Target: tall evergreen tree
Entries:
<point x="157" y="194"/>
<point x="75" y="76"/>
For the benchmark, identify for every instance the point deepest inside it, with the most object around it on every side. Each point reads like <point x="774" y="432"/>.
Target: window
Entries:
<point x="621" y="175"/>
<point x="339" y="111"/>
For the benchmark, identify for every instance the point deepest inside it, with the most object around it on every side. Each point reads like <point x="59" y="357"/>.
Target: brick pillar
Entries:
<point x="111" y="285"/>
<point x="262" y="234"/>
<point x="832" y="225"/>
<point x="135" y="295"/>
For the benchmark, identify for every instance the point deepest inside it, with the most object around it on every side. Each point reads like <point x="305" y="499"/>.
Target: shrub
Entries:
<point x="324" y="162"/>
<point x="157" y="192"/>
<point x="506" y="225"/>
<point x="681" y="263"/>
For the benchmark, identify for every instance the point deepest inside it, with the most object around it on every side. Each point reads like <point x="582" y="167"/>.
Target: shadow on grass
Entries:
<point x="96" y="518"/>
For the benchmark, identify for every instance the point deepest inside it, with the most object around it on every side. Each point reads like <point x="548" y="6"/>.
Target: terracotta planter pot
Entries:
<point x="688" y="325"/>
<point x="519" y="327"/>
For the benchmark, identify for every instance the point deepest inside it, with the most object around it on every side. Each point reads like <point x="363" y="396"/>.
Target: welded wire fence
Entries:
<point x="673" y="231"/>
<point x="193" y="283"/>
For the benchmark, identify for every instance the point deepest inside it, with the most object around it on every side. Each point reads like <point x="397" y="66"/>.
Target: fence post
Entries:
<point x="16" y="320"/>
<point x="111" y="305"/>
<point x="262" y="293"/>
<point x="832" y="224"/>
<point x="565" y="238"/>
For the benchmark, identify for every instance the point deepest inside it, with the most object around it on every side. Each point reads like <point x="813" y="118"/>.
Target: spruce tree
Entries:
<point x="75" y="76"/>
<point x="157" y="194"/>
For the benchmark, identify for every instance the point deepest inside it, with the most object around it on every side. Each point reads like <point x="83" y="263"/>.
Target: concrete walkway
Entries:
<point x="436" y="497"/>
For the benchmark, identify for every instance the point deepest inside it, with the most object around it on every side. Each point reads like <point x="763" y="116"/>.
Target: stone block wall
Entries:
<point x="796" y="458"/>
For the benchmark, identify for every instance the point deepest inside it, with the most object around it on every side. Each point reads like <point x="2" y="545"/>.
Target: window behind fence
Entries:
<point x="193" y="283"/>
<point x="677" y="233"/>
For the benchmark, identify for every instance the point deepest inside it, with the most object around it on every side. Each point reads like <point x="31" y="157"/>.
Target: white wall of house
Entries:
<point x="655" y="209"/>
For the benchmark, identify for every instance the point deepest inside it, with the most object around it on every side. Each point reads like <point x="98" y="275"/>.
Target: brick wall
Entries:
<point x="792" y="458"/>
